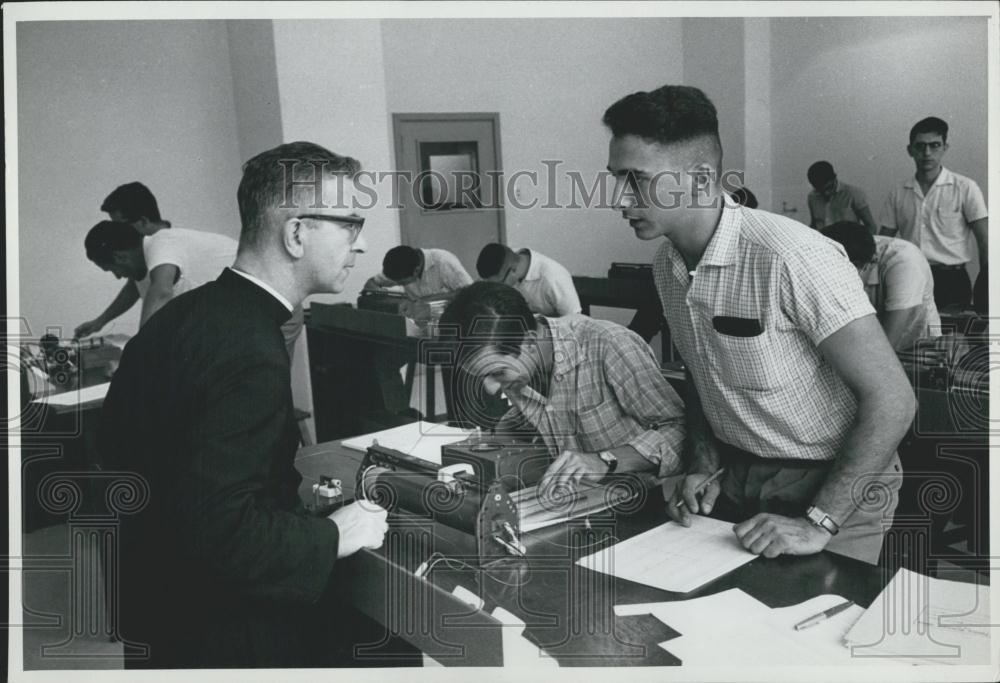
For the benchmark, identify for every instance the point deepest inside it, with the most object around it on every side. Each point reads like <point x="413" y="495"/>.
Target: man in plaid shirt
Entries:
<point x="795" y="391"/>
<point x="591" y="389"/>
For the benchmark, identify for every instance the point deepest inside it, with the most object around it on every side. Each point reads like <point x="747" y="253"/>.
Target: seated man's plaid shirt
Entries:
<point x="605" y="391"/>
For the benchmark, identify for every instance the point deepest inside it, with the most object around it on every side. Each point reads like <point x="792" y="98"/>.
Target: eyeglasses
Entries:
<point x="352" y="223"/>
<point x="932" y="146"/>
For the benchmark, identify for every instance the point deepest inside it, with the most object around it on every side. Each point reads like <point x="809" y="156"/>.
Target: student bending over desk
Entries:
<point x="590" y="388"/>
<point x="796" y="392"/>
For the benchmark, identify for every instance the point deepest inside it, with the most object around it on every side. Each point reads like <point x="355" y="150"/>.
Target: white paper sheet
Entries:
<point x="419" y="439"/>
<point x="673" y="557"/>
<point x="77" y="397"/>
<point x="921" y="620"/>
<point x="745" y="631"/>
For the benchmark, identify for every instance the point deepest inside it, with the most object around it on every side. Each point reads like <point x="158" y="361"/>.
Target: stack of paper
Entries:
<point x="587" y="499"/>
<point x="922" y="620"/>
<point x="419" y="439"/>
<point x="674" y="557"/>
<point x="745" y="631"/>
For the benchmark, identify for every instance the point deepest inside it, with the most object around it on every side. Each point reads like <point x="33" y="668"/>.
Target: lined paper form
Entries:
<point x="673" y="557"/>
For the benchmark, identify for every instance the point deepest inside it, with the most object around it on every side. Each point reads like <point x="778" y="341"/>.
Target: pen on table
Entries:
<point x="704" y="485"/>
<point x="823" y="616"/>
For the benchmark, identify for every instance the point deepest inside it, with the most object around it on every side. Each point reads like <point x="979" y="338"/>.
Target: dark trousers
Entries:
<point x="952" y="286"/>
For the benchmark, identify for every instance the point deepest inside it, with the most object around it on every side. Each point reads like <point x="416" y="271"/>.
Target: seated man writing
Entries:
<point x="420" y="272"/>
<point x="897" y="280"/>
<point x="590" y="388"/>
<point x="545" y="283"/>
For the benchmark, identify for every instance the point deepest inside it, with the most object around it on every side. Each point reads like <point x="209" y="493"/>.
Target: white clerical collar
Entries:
<point x="266" y="287"/>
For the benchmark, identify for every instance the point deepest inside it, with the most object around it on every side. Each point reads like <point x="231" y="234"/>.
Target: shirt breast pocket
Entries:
<point x="746" y="362"/>
<point x="952" y="222"/>
<point x="601" y="427"/>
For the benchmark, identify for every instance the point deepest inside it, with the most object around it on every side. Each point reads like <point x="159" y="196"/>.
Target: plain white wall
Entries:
<point x="551" y="81"/>
<point x="105" y="103"/>
<point x="713" y="62"/>
<point x="331" y="85"/>
<point x="848" y="90"/>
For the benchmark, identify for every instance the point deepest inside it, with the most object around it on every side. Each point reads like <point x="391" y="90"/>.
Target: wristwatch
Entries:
<point x="822" y="520"/>
<point x="610" y="460"/>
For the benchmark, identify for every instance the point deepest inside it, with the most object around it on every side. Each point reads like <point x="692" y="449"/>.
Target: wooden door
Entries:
<point x="451" y="192"/>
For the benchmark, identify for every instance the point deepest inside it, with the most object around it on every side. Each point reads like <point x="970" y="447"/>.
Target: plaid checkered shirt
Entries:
<point x="605" y="391"/>
<point x="771" y="393"/>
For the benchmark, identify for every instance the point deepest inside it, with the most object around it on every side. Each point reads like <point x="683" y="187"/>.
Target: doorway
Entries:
<point x="453" y="199"/>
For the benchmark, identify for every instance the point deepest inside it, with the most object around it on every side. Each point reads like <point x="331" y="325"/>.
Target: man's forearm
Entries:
<point x="864" y="457"/>
<point x="125" y="299"/>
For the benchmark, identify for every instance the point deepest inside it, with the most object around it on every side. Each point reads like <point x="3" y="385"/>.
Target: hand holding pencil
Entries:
<point x="684" y="501"/>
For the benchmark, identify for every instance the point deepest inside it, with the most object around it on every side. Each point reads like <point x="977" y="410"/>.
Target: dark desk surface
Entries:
<point x="567" y="609"/>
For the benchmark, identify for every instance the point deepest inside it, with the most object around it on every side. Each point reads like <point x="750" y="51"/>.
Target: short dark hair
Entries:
<point x="491" y="259"/>
<point x="266" y="184"/>
<point x="401" y="262"/>
<point x="107" y="237"/>
<point x="134" y="201"/>
<point x="489" y="314"/>
<point x="667" y="115"/>
<point x="820" y="173"/>
<point x="855" y="238"/>
<point x="931" y="124"/>
<point x="744" y="197"/>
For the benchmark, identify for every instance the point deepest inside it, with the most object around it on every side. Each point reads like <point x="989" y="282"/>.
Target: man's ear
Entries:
<point x="702" y="177"/>
<point x="293" y="237"/>
<point x="120" y="258"/>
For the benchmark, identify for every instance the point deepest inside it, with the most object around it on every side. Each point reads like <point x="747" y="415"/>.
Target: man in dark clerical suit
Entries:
<point x="221" y="567"/>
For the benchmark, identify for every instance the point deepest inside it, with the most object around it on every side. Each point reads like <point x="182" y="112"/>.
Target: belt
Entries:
<point x="735" y="453"/>
<point x="954" y="266"/>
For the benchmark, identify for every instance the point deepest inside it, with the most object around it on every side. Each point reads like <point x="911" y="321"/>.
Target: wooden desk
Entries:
<point x="567" y="609"/>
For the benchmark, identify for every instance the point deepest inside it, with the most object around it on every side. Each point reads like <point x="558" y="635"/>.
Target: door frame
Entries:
<point x="492" y="117"/>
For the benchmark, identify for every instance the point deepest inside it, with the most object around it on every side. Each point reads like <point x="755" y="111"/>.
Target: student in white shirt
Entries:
<point x="545" y="284"/>
<point x="897" y="280"/>
<point x="157" y="267"/>
<point x="937" y="209"/>
<point x="420" y="272"/>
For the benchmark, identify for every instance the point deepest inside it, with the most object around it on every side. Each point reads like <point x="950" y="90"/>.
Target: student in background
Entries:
<point x="133" y="203"/>
<point x="768" y="319"/>
<point x="545" y="284"/>
<point x="937" y="209"/>
<point x="897" y="280"/>
<point x="832" y="201"/>
<point x="157" y="267"/>
<point x="420" y="272"/>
